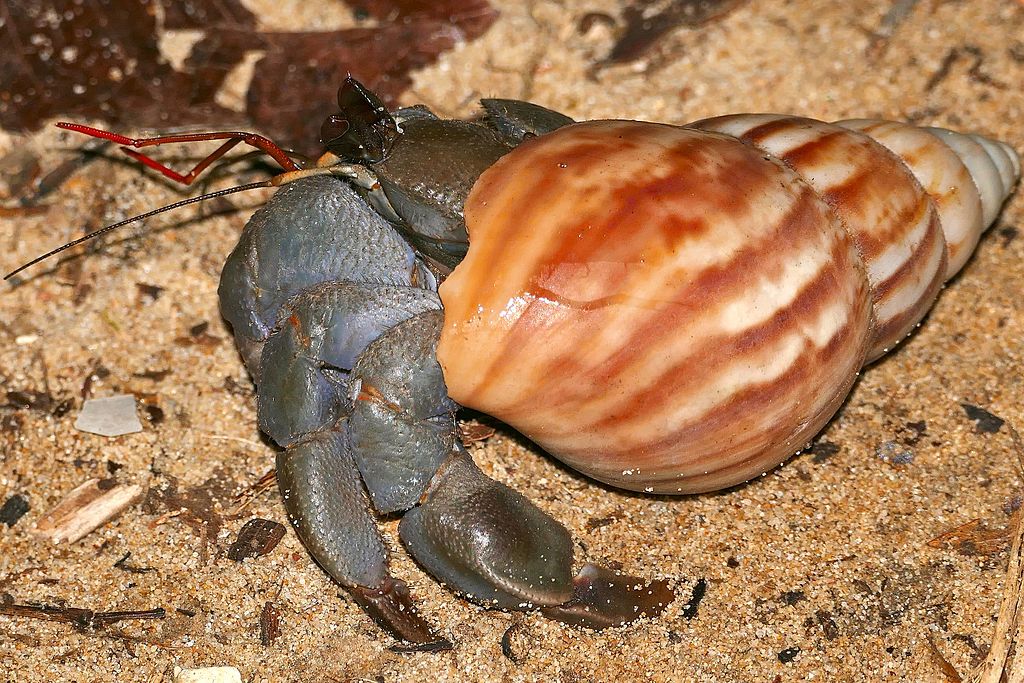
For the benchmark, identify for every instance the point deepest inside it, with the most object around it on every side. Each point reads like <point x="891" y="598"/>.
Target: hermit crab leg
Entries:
<point x="473" y="533"/>
<point x="304" y="400"/>
<point x="328" y="508"/>
<point x="390" y="418"/>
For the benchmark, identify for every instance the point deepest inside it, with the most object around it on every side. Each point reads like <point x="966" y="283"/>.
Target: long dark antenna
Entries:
<point x="148" y="214"/>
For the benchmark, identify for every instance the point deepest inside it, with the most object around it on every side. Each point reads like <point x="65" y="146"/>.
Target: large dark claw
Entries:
<point x="302" y="385"/>
<point x="487" y="541"/>
<point x="602" y="598"/>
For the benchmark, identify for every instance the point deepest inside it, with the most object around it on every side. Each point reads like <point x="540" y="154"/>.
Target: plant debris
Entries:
<point x="118" y="73"/>
<point x="947" y="669"/>
<point x="148" y="293"/>
<point x="109" y="416"/>
<point x="123" y="565"/>
<point x="648" y="21"/>
<point x="506" y="643"/>
<point x="984" y="421"/>
<point x="41" y="401"/>
<point x="249" y="494"/>
<point x="972" y="538"/>
<point x="270" y="624"/>
<point x="974" y="72"/>
<point x="828" y="625"/>
<point x="689" y="610"/>
<point x="473" y="431"/>
<point x="14" y="508"/>
<point x="78" y="616"/>
<point x="86" y="508"/>
<point x="197" y="506"/>
<point x="198" y="335"/>
<point x="1002" y="662"/>
<point x="257" y="538"/>
<point x="155" y="375"/>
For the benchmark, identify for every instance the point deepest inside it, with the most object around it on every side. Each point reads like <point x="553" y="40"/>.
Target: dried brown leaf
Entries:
<point x="473" y="431"/>
<point x="102" y="60"/>
<point x="648" y="21"/>
<point x="257" y="538"/>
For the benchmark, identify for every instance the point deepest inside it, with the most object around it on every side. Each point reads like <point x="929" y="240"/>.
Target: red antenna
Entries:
<point x="232" y="138"/>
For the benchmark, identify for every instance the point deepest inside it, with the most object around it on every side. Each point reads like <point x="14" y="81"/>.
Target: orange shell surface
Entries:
<point x="663" y="309"/>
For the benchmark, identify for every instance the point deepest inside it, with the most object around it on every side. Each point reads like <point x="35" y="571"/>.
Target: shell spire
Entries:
<point x="679" y="309"/>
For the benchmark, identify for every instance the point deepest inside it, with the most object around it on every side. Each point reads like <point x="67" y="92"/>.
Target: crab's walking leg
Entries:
<point x="328" y="508"/>
<point x="477" y="535"/>
<point x="304" y="400"/>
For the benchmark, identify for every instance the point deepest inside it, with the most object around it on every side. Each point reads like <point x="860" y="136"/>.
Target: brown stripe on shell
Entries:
<point x="655" y="286"/>
<point x="630" y="261"/>
<point x="911" y="300"/>
<point x="942" y="174"/>
<point x="876" y="197"/>
<point x="630" y="272"/>
<point x="693" y="305"/>
<point x="802" y="393"/>
<point x="713" y="463"/>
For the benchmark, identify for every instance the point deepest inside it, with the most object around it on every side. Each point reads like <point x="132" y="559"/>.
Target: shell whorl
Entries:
<point x="679" y="309"/>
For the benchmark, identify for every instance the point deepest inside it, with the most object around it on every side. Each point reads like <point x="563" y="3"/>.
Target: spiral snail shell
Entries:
<point x="679" y="309"/>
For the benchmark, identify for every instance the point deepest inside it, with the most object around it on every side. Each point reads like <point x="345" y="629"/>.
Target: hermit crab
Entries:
<point x="606" y="288"/>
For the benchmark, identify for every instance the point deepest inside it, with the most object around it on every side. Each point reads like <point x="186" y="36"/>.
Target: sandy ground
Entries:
<point x="819" y="570"/>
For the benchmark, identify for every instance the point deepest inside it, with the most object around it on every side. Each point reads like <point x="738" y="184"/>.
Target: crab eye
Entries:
<point x="334" y="127"/>
<point x="363" y="131"/>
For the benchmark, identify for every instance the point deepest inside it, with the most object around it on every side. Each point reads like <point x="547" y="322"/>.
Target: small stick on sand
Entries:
<point x="1004" y="661"/>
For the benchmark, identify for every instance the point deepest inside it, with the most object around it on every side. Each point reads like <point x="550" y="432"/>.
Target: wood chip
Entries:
<point x="86" y="508"/>
<point x="209" y="674"/>
<point x="270" y="624"/>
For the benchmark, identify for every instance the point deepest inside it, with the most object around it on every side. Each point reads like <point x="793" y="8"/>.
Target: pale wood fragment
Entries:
<point x="86" y="508"/>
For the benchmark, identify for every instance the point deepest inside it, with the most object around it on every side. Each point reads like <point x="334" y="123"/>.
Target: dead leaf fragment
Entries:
<point x="257" y="538"/>
<point x="270" y="624"/>
<point x="85" y="509"/>
<point x="103" y="60"/>
<point x="648" y="21"/>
